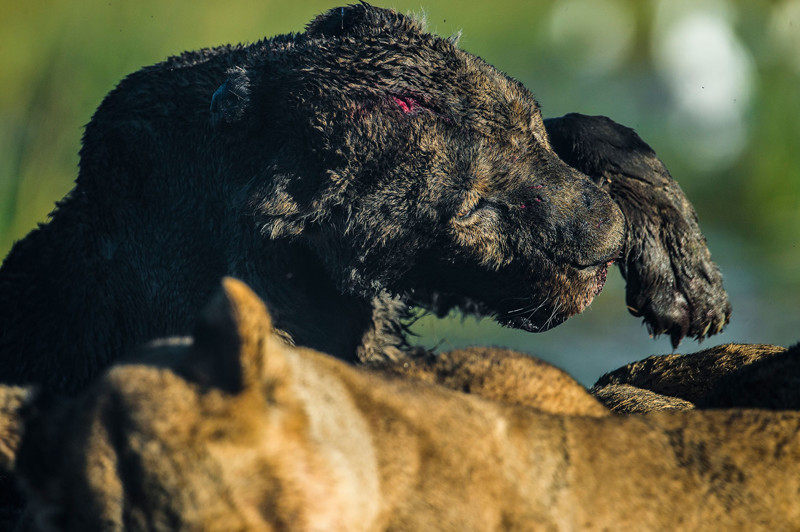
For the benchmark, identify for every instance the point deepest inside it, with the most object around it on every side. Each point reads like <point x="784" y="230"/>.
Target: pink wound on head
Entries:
<point x="406" y="104"/>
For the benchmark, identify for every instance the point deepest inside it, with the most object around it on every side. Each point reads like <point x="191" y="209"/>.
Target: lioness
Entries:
<point x="343" y="173"/>
<point x="236" y="430"/>
<point x="500" y="375"/>
<point x="724" y="376"/>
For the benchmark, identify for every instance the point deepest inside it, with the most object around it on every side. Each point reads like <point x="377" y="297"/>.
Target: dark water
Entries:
<point x="606" y="336"/>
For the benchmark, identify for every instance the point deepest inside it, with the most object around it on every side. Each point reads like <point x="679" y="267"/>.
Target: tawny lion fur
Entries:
<point x="724" y="376"/>
<point x="235" y="430"/>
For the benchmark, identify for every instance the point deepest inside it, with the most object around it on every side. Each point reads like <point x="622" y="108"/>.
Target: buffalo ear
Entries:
<point x="13" y="400"/>
<point x="361" y="19"/>
<point x="233" y="99"/>
<point x="230" y="339"/>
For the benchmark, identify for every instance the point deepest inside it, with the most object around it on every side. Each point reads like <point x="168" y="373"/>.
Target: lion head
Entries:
<point x="409" y="165"/>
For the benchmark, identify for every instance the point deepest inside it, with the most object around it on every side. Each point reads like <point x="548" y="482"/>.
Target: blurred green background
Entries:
<point x="712" y="85"/>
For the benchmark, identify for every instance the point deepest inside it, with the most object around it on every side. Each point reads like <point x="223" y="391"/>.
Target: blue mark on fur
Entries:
<point x="217" y="97"/>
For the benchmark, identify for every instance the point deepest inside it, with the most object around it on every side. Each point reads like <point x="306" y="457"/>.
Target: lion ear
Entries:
<point x="361" y="19"/>
<point x="230" y="339"/>
<point x="13" y="400"/>
<point x="232" y="100"/>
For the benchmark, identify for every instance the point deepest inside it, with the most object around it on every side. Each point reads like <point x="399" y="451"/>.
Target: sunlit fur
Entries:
<point x="239" y="431"/>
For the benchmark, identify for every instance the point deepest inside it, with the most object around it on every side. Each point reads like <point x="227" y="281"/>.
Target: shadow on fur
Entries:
<point x="236" y="430"/>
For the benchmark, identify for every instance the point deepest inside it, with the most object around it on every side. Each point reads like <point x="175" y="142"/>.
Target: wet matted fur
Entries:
<point x="671" y="280"/>
<point x="344" y="173"/>
<point x="237" y="430"/>
<point x="332" y="170"/>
